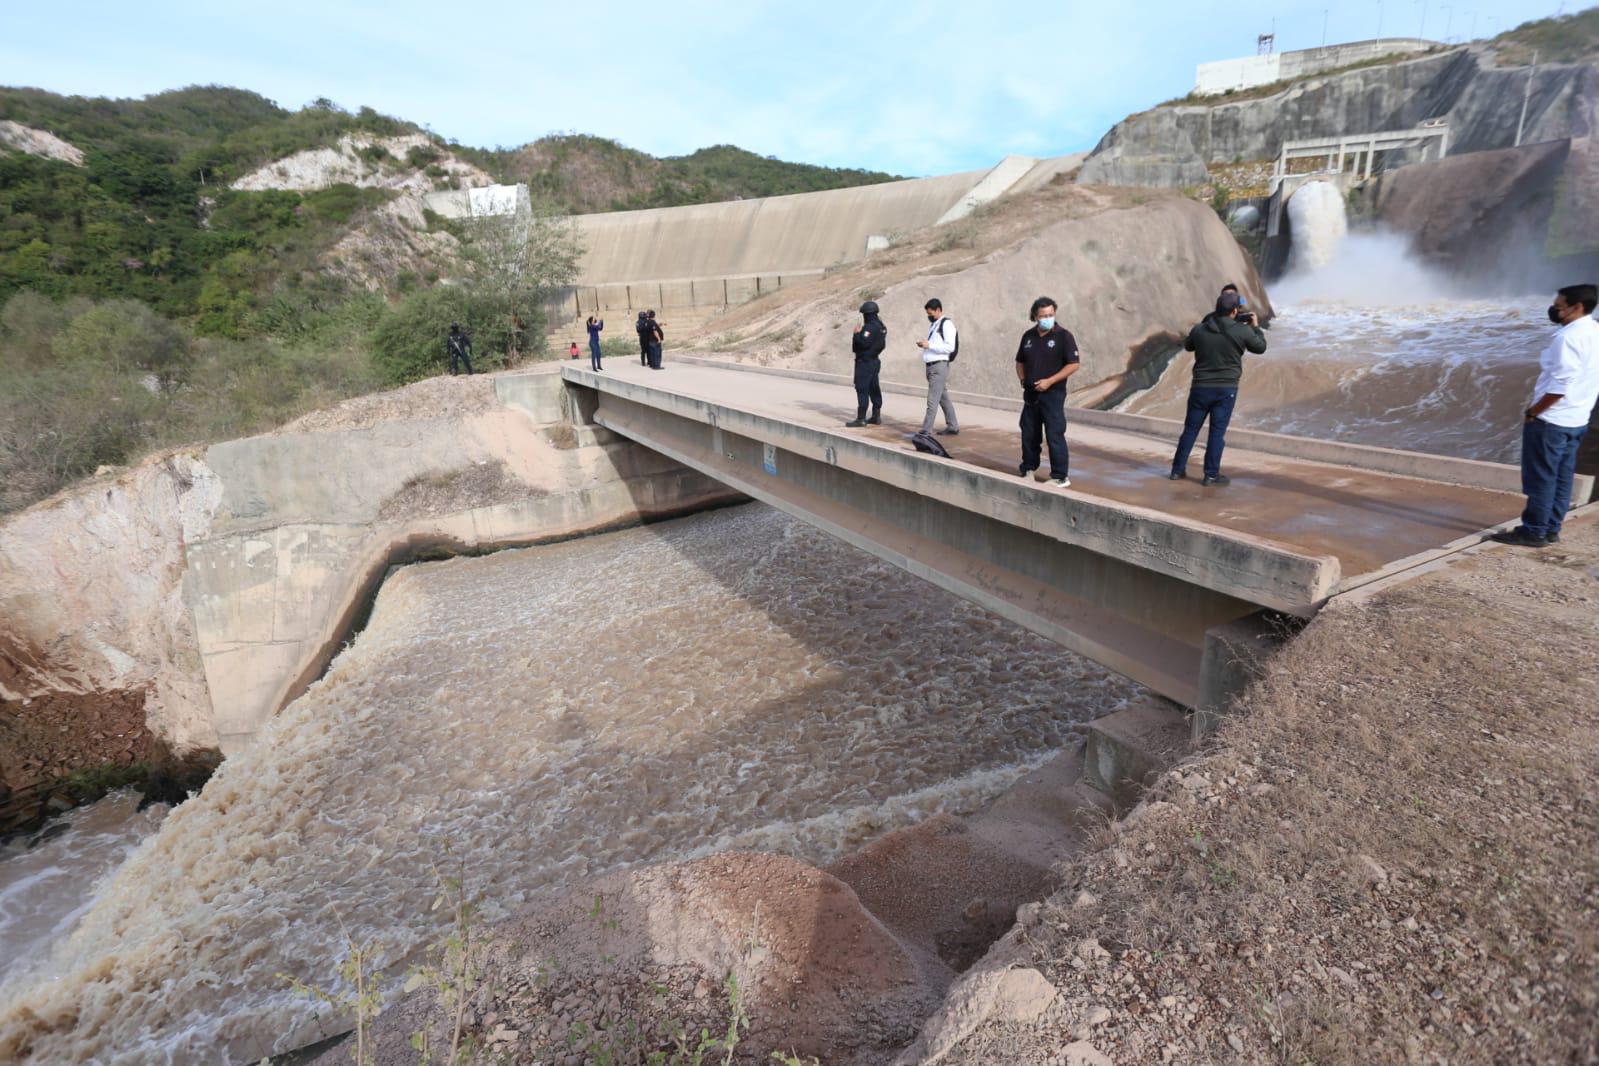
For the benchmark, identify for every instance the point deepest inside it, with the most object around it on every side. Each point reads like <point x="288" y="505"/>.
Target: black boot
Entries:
<point x="858" y="420"/>
<point x="876" y="419"/>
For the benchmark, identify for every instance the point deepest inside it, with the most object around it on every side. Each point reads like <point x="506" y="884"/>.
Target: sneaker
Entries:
<point x="1061" y="482"/>
<point x="855" y="423"/>
<point x="1176" y="475"/>
<point x="1219" y="479"/>
<point x="947" y="432"/>
<point x="1520" y="537"/>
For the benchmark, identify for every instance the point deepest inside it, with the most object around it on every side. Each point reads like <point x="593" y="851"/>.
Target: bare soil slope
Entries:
<point x="1131" y="269"/>
<point x="1388" y="857"/>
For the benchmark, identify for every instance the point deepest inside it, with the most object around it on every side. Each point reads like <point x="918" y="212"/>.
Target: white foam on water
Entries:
<point x="531" y="718"/>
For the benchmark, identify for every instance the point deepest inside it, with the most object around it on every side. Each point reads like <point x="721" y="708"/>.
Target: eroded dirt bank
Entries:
<point x="1388" y="856"/>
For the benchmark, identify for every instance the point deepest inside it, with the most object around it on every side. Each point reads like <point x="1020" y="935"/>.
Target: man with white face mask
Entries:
<point x="1045" y="358"/>
<point x="1552" y="430"/>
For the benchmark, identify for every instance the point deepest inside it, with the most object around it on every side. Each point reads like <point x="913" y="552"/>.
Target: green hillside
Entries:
<point x="144" y="303"/>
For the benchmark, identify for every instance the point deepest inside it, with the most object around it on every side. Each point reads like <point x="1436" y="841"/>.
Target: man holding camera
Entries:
<point x="1218" y="343"/>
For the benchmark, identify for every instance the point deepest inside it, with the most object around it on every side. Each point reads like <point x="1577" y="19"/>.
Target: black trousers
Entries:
<point x="866" y="388"/>
<point x="643" y="352"/>
<point x="462" y="357"/>
<point x="1044" y="415"/>
<point x="653" y="360"/>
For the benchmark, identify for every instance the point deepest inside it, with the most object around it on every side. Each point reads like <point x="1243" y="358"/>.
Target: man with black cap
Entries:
<point x="459" y="347"/>
<point x="1218" y="343"/>
<point x="868" y="342"/>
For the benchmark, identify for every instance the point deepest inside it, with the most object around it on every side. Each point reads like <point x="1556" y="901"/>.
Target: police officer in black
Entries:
<point x="459" y="347"/>
<point x="868" y="342"/>
<point x="645" y="333"/>
<point x="1046" y="357"/>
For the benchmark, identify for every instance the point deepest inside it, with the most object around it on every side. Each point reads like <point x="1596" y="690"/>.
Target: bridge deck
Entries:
<point x="1366" y="519"/>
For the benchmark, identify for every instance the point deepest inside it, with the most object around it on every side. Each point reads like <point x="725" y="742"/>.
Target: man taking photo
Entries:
<point x="1552" y="428"/>
<point x="1218" y="343"/>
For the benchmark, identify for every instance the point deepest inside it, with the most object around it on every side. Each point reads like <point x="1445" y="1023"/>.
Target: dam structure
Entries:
<point x="709" y="256"/>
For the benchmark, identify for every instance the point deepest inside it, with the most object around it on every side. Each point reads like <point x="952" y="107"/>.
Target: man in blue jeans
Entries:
<point x="1218" y="343"/>
<point x="1568" y="385"/>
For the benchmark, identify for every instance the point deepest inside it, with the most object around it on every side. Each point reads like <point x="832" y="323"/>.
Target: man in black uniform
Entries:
<point x="656" y="339"/>
<point x="644" y="330"/>
<point x="459" y="346"/>
<point x="1046" y="357"/>
<point x="868" y="342"/>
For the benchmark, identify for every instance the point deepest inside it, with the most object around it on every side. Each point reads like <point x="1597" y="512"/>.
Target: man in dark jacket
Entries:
<point x="868" y="342"/>
<point x="1218" y="343"/>
<point x="459" y="347"/>
<point x="645" y="333"/>
<point x="653" y="346"/>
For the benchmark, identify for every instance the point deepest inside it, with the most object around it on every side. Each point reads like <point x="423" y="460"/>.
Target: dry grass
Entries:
<point x="1390" y="856"/>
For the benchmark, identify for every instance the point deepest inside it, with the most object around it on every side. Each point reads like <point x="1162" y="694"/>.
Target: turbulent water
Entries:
<point x="1372" y="347"/>
<point x="733" y="679"/>
<point x="45" y="887"/>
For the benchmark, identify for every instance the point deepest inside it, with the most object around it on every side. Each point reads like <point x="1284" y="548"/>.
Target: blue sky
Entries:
<point x="913" y="88"/>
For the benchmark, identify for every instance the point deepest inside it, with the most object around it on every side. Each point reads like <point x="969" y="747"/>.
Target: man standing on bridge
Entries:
<point x="459" y="347"/>
<point x="1046" y="357"/>
<point x="1568" y="386"/>
<point x="938" y="351"/>
<point x="1218" y="344"/>
<point x="645" y="332"/>
<point x="868" y="341"/>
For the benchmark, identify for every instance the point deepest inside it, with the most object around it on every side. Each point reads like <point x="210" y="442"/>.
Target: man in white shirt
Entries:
<point x="1563" y="400"/>
<point x="937" y="350"/>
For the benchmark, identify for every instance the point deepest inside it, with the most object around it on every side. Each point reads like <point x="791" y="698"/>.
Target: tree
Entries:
<point x="515" y="265"/>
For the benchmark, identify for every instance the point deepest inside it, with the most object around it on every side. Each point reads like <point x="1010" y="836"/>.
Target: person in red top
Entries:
<point x="571" y="353"/>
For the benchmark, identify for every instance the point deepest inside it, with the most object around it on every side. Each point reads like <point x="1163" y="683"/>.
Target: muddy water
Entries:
<point x="1446" y="376"/>
<point x="729" y="680"/>
<point x="48" y="880"/>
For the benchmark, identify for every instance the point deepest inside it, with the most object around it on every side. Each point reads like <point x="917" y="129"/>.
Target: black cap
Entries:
<point x="869" y="307"/>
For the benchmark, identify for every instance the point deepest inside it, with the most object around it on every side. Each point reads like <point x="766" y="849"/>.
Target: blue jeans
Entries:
<point x="1203" y="403"/>
<point x="1548" y="460"/>
<point x="594" y="354"/>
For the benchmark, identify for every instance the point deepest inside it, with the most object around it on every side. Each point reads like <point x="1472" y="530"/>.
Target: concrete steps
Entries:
<point x="1130" y="748"/>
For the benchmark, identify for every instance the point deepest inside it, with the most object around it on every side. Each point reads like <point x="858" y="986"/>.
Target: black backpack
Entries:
<point x="957" y="350"/>
<point x="926" y="442"/>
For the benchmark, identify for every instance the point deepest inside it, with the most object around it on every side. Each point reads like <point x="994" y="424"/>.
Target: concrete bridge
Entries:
<point x="1165" y="582"/>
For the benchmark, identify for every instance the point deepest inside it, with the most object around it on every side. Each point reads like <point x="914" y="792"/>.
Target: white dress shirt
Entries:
<point x="939" y="348"/>
<point x="1569" y="367"/>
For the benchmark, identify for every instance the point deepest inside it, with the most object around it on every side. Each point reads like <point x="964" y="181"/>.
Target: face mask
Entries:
<point x="1046" y="323"/>
<point x="932" y="318"/>
<point x="1554" y="315"/>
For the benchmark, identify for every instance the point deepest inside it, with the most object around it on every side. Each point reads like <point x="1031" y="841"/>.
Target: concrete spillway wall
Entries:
<point x="720" y="254"/>
<point x="221" y="583"/>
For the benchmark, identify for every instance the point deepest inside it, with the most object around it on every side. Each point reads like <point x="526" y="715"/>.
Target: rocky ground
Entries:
<point x="1389" y="856"/>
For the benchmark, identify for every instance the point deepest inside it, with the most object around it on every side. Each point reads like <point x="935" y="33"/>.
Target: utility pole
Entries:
<point x="1526" y="95"/>
<point x="1379" y="20"/>
<point x="1422" y="33"/>
<point x="1324" y="27"/>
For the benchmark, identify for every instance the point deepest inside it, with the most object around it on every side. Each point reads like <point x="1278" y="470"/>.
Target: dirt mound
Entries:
<point x="1388" y="857"/>
<point x="624" y="962"/>
<point x="456" y="396"/>
<point x="1132" y="271"/>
